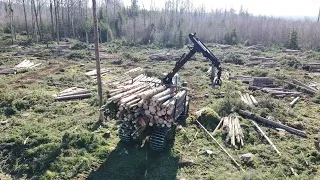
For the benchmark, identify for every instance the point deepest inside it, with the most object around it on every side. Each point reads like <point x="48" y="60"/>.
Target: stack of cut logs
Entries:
<point x="231" y="127"/>
<point x="144" y="101"/>
<point x="250" y="100"/>
<point x="73" y="93"/>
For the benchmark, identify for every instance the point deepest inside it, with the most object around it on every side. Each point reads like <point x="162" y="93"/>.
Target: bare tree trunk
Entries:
<point x="73" y="32"/>
<point x="11" y="21"/>
<point x="32" y="21"/>
<point x="62" y="18"/>
<point x="40" y="20"/>
<point x="52" y="23"/>
<point x="25" y="16"/>
<point x="96" y="44"/>
<point x="319" y="15"/>
<point x="56" y="9"/>
<point x="134" y="30"/>
<point x="36" y="14"/>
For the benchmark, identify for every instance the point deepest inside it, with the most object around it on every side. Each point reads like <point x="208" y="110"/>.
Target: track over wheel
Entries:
<point x="124" y="134"/>
<point x="183" y="116"/>
<point x="158" y="139"/>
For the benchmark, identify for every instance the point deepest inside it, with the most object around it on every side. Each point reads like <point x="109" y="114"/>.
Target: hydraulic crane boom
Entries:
<point x="198" y="46"/>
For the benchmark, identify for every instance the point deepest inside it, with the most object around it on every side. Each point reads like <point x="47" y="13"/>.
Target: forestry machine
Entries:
<point x="159" y="136"/>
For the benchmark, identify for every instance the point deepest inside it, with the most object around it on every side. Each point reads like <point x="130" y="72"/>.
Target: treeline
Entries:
<point x="45" y="20"/>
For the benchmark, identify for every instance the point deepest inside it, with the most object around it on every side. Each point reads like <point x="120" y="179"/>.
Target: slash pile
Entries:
<point x="143" y="101"/>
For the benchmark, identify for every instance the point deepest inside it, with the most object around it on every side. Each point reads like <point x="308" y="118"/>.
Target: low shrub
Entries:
<point x="79" y="46"/>
<point x="234" y="59"/>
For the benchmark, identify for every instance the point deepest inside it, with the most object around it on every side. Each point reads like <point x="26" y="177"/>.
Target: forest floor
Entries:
<point x="45" y="139"/>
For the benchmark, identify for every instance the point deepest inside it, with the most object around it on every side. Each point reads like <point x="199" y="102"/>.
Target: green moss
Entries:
<point x="209" y="118"/>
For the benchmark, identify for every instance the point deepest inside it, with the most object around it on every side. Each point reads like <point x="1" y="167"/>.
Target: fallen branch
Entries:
<point x="272" y="123"/>
<point x="294" y="101"/>
<point x="220" y="145"/>
<point x="265" y="136"/>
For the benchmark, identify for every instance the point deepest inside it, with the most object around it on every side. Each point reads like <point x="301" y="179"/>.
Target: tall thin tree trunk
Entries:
<point x="32" y="21"/>
<point x="25" y="16"/>
<point x="56" y="9"/>
<point x="11" y="20"/>
<point x="36" y="14"/>
<point x="62" y="18"/>
<point x="319" y="15"/>
<point x="73" y="33"/>
<point x="96" y="44"/>
<point x="52" y="23"/>
<point x="68" y="16"/>
<point x="40" y="18"/>
<point x="134" y="30"/>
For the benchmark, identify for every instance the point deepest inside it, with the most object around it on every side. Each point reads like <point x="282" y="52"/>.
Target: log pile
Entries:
<point x="291" y="51"/>
<point x="244" y="79"/>
<point x="250" y="100"/>
<point x="73" y="93"/>
<point x="27" y="64"/>
<point x="231" y="127"/>
<point x="93" y="73"/>
<point x="126" y="78"/>
<point x="262" y="62"/>
<point x="261" y="82"/>
<point x="313" y="67"/>
<point x="280" y="92"/>
<point x="303" y="87"/>
<point x="143" y="102"/>
<point x="256" y="47"/>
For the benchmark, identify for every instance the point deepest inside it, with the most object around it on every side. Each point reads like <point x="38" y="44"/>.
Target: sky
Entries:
<point x="282" y="8"/>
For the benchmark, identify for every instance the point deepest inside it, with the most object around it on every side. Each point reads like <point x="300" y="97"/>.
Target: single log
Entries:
<point x="133" y="96"/>
<point x="218" y="126"/>
<point x="265" y="136"/>
<point x="232" y="131"/>
<point x="164" y="98"/>
<point x="147" y="112"/>
<point x="71" y="97"/>
<point x="140" y="103"/>
<point x="294" y="101"/>
<point x="225" y="126"/>
<point x="247" y="96"/>
<point x="219" y="145"/>
<point x="7" y="71"/>
<point x="272" y="123"/>
<point x="151" y="92"/>
<point x="134" y="101"/>
<point x="254" y="101"/>
<point x="75" y="92"/>
<point x="162" y="94"/>
<point x="152" y="109"/>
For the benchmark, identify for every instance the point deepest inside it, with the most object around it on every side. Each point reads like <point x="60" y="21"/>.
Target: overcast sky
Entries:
<point x="256" y="7"/>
